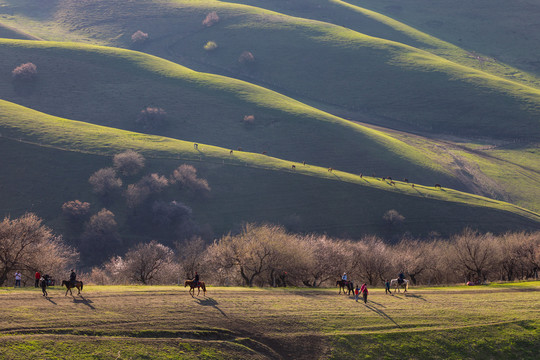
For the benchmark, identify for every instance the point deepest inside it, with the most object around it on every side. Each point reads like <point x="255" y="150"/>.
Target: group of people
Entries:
<point x="363" y="290"/>
<point x="43" y="281"/>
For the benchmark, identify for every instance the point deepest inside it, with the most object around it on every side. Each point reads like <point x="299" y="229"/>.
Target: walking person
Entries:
<point x="37" y="277"/>
<point x="356" y="293"/>
<point x="18" y="277"/>
<point x="387" y="287"/>
<point x="44" y="283"/>
<point x="365" y="292"/>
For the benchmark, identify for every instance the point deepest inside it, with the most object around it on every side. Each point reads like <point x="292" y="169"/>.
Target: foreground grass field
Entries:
<point x="164" y="322"/>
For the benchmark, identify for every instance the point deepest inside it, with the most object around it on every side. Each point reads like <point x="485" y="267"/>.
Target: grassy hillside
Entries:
<point x="164" y="322"/>
<point x="245" y="186"/>
<point x="385" y="78"/>
<point x="111" y="86"/>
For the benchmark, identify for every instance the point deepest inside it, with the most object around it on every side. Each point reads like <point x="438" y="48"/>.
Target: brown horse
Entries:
<point x="69" y="286"/>
<point x="192" y="287"/>
<point x="345" y="285"/>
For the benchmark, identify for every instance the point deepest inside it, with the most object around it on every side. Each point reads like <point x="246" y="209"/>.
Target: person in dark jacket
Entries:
<point x="44" y="282"/>
<point x="196" y="279"/>
<point x="72" y="277"/>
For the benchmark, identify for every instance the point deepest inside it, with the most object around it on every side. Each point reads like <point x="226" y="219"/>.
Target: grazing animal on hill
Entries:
<point x="304" y="163"/>
<point x="264" y="153"/>
<point x="438" y="186"/>
<point x="406" y="180"/>
<point x="69" y="285"/>
<point x="343" y="284"/>
<point x="230" y="152"/>
<point x="192" y="285"/>
<point x="294" y="167"/>
<point x="395" y="284"/>
<point x="330" y="169"/>
<point x="392" y="183"/>
<point x="196" y="146"/>
<point x="361" y="176"/>
<point x="240" y="149"/>
<point x="412" y="185"/>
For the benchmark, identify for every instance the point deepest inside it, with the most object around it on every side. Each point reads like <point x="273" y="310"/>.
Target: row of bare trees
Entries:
<point x="27" y="246"/>
<point x="267" y="255"/>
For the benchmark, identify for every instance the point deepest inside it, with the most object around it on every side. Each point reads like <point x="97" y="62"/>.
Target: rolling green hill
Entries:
<point x="403" y="84"/>
<point x="245" y="186"/>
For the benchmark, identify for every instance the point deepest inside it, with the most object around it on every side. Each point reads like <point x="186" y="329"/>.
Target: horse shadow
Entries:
<point x="415" y="296"/>
<point x="210" y="302"/>
<point x="84" y="301"/>
<point x="381" y="313"/>
<point x="376" y="303"/>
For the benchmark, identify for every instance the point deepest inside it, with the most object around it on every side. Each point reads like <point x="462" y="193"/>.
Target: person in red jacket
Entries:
<point x="356" y="293"/>
<point x="38" y="276"/>
<point x="364" y="292"/>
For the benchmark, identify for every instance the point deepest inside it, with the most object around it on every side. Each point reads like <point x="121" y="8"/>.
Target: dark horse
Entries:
<point x="69" y="286"/>
<point x="192" y="287"/>
<point x="345" y="285"/>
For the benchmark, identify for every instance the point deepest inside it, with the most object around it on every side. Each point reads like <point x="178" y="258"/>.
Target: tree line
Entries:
<point x="268" y="255"/>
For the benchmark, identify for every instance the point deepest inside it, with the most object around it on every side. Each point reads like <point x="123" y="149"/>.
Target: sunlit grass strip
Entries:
<point x="46" y="130"/>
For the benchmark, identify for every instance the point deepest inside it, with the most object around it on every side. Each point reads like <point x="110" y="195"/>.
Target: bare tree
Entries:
<point x="326" y="259"/>
<point x="145" y="261"/>
<point x="27" y="245"/>
<point x="104" y="181"/>
<point x="76" y="209"/>
<point x="139" y="37"/>
<point x="191" y="255"/>
<point x="371" y="259"/>
<point x="474" y="254"/>
<point x="128" y="162"/>
<point x="25" y="72"/>
<point x="211" y="18"/>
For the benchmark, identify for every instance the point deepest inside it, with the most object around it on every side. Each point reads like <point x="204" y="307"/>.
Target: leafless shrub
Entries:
<point x="151" y="118"/>
<point x="211" y="18"/>
<point x="170" y="213"/>
<point x="210" y="45"/>
<point x="128" y="162"/>
<point x="76" y="209"/>
<point x="191" y="256"/>
<point x="138" y="193"/>
<point x="26" y="72"/>
<point x="246" y="58"/>
<point x="249" y="119"/>
<point x="100" y="237"/>
<point x="186" y="176"/>
<point x="145" y="262"/>
<point x="105" y="181"/>
<point x="393" y="218"/>
<point x="139" y="37"/>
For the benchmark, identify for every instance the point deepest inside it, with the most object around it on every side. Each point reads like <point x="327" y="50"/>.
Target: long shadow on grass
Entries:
<point x="415" y="296"/>
<point x="210" y="302"/>
<point x="381" y="313"/>
<point x="84" y="301"/>
<point x="49" y="299"/>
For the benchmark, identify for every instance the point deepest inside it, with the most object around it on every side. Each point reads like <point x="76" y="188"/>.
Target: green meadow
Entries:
<point x="165" y="322"/>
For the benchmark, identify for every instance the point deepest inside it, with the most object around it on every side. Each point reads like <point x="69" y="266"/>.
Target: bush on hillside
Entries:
<point x="128" y="162"/>
<point x="246" y="58"/>
<point x="26" y="72"/>
<point x="211" y="18"/>
<point x="139" y="37"/>
<point x="100" y="238"/>
<point x="151" y="118"/>
<point x="249" y="119"/>
<point x="186" y="177"/>
<point x="210" y="45"/>
<point x="76" y="209"/>
<point x="138" y="193"/>
<point x="171" y="213"/>
<point x="104" y="181"/>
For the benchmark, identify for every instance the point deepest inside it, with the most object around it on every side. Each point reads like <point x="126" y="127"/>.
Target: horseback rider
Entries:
<point x="196" y="279"/>
<point x="72" y="277"/>
<point x="344" y="278"/>
<point x="401" y="277"/>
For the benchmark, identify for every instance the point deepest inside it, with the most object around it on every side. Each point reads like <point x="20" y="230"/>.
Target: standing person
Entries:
<point x="387" y="287"/>
<point x="18" y="277"/>
<point x="365" y="292"/>
<point x="44" y="283"/>
<point x="356" y="293"/>
<point x="38" y="277"/>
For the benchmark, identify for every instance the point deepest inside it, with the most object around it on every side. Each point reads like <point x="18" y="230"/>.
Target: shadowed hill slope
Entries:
<point x="245" y="186"/>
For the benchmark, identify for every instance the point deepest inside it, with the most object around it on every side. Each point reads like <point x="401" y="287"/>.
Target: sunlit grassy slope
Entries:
<point x="110" y="86"/>
<point x="320" y="61"/>
<point x="245" y="186"/>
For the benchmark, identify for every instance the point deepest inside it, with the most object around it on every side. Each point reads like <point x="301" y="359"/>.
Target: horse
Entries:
<point x="69" y="286"/>
<point x="395" y="283"/>
<point x="192" y="286"/>
<point x="345" y="284"/>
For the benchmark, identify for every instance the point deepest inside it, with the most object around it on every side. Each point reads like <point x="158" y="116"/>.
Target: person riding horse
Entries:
<point x="196" y="279"/>
<point x="344" y="278"/>
<point x="72" y="278"/>
<point x="401" y="277"/>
